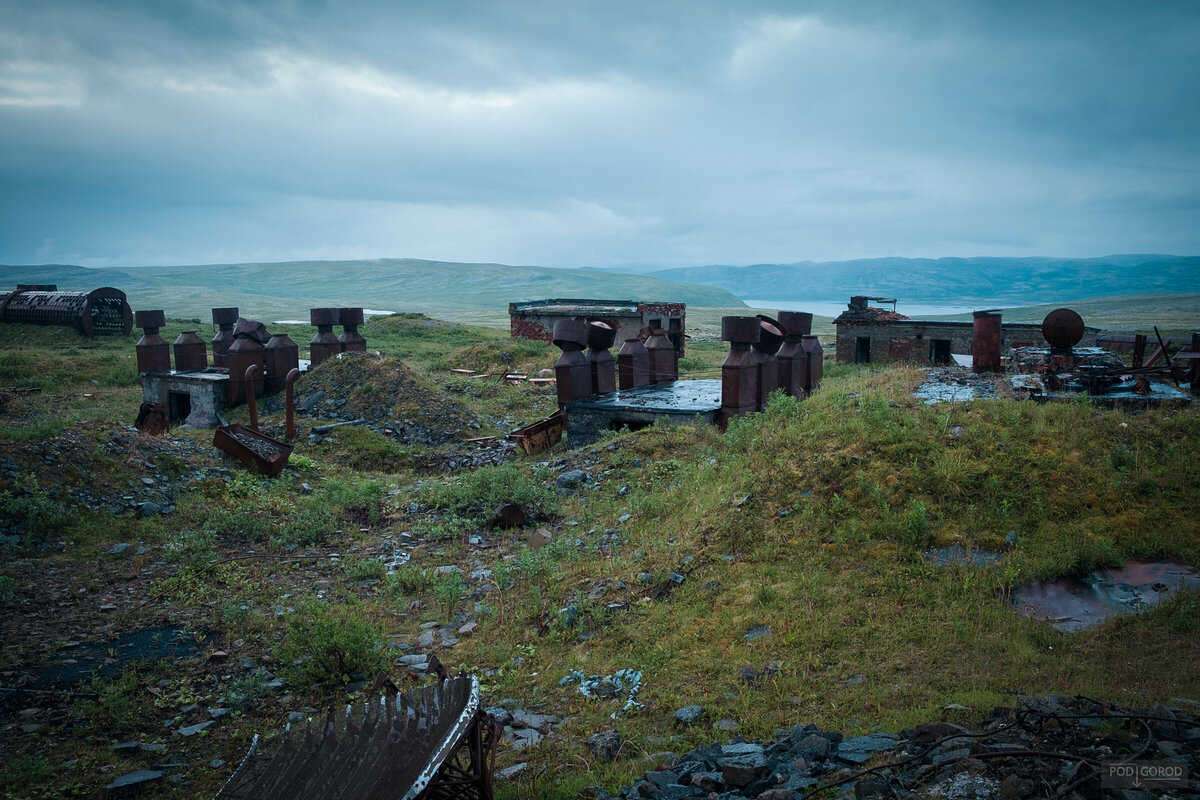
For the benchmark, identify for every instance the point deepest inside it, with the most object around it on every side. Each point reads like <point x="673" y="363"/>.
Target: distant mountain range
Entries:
<point x="953" y="281"/>
<point x="483" y="291"/>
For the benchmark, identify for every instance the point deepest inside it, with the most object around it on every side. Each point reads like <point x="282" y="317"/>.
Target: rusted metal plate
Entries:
<point x="405" y="746"/>
<point x="541" y="435"/>
<point x="256" y="450"/>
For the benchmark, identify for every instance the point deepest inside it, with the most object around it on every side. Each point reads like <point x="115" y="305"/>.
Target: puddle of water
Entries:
<point x="1073" y="604"/>
<point x="934" y="392"/>
<point x="70" y="665"/>
<point x="957" y="554"/>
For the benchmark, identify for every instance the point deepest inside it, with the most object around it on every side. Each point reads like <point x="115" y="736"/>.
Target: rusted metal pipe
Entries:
<point x="252" y="372"/>
<point x="289" y="401"/>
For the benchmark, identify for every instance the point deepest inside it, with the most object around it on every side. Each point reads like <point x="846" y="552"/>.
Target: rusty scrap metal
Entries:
<point x="153" y="419"/>
<point x="985" y="341"/>
<point x="257" y="451"/>
<point x="100" y="312"/>
<point x="252" y="372"/>
<point x="541" y="435"/>
<point x="436" y="743"/>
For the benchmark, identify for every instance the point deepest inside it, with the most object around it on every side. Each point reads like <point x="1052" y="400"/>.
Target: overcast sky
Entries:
<point x="607" y="133"/>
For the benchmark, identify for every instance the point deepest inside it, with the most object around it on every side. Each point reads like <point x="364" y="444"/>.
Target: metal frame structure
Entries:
<point x="436" y="744"/>
<point x="100" y="312"/>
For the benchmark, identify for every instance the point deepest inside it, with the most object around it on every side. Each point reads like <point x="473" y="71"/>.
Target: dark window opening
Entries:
<point x="180" y="406"/>
<point x="939" y="351"/>
<point x="862" y="350"/>
<point x="631" y="424"/>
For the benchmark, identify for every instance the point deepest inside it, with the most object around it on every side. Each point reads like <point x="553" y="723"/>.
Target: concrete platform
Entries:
<point x="683" y="402"/>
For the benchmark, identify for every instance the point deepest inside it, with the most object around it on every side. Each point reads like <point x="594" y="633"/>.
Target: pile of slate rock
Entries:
<point x="1049" y="746"/>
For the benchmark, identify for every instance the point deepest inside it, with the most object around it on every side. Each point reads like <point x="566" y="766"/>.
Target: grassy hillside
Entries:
<point x="476" y="292"/>
<point x="797" y="538"/>
<point x="954" y="281"/>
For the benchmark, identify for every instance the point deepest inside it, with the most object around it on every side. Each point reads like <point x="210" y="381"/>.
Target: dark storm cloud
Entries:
<point x="572" y="133"/>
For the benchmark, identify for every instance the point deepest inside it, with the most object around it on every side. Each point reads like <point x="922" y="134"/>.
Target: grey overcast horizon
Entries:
<point x="619" y="134"/>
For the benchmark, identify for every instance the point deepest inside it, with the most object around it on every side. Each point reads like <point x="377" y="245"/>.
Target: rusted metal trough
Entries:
<point x="436" y="743"/>
<point x="541" y="435"/>
<point x="256" y="450"/>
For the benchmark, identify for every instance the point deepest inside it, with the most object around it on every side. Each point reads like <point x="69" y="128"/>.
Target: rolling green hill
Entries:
<point x="475" y="292"/>
<point x="954" y="281"/>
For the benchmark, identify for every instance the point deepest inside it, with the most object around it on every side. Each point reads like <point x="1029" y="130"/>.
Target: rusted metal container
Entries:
<point x="1062" y="329"/>
<point x="351" y="340"/>
<point x="814" y="364"/>
<point x="1194" y="368"/>
<point x="601" y="336"/>
<point x="633" y="365"/>
<point x="793" y="361"/>
<point x="243" y="353"/>
<point x="256" y="450"/>
<point x="664" y="362"/>
<point x="280" y="355"/>
<point x="191" y="353"/>
<point x="541" y="435"/>
<point x="325" y="344"/>
<point x="985" y="342"/>
<point x="572" y="373"/>
<point x="100" y="312"/>
<point x="739" y="372"/>
<point x="770" y="339"/>
<point x="153" y="419"/>
<point x="224" y="319"/>
<point x="153" y="352"/>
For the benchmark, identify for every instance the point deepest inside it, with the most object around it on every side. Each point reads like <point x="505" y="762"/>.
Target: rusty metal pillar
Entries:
<point x="290" y="402"/>
<point x="1139" y="350"/>
<point x="1194" y="372"/>
<point x="224" y="319"/>
<point x="191" y="353"/>
<point x="985" y="342"/>
<point x="325" y="344"/>
<point x="664" y="361"/>
<point x="153" y="352"/>
<point x="280" y="355"/>
<point x="572" y="372"/>
<point x="814" y="368"/>
<point x="791" y="356"/>
<point x="739" y="373"/>
<point x="245" y="352"/>
<point x="633" y="365"/>
<point x="253" y="373"/>
<point x="770" y="339"/>
<point x="351" y="340"/>
<point x="601" y="336"/>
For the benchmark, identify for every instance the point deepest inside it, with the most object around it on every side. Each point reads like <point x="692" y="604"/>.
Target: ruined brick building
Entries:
<point x="867" y="333"/>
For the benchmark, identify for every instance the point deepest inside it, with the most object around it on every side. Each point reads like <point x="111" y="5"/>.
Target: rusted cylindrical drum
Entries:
<point x="242" y="353"/>
<point x="191" y="353"/>
<point x="985" y="342"/>
<point x="153" y="352"/>
<point x="601" y="336"/>
<point x="351" y="340"/>
<point x="224" y="319"/>
<point x="633" y="365"/>
<point x="572" y="372"/>
<point x="664" y="363"/>
<point x="795" y="323"/>
<point x="280" y="355"/>
<point x="815" y="364"/>
<point x="325" y="344"/>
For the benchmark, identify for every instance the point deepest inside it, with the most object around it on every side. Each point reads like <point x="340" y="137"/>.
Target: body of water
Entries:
<point x="367" y="312"/>
<point x="831" y="309"/>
